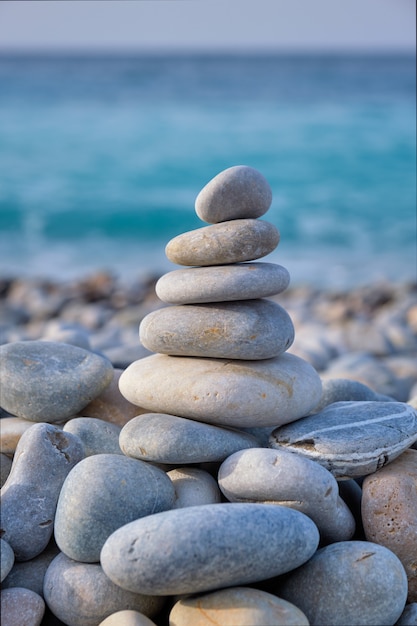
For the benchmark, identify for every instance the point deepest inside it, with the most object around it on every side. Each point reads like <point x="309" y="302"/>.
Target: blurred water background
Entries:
<point x="102" y="157"/>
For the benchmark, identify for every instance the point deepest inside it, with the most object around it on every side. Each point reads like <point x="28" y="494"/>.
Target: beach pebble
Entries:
<point x="348" y="582"/>
<point x="346" y="390"/>
<point x="236" y="606"/>
<point x="389" y="512"/>
<point x="229" y="393"/>
<point x="227" y="242"/>
<point x="80" y="594"/>
<point x="127" y="618"/>
<point x="170" y="439"/>
<point x="194" y="486"/>
<point x="44" y="457"/>
<point x="200" y="548"/>
<point x="12" y="428"/>
<point x="31" y="574"/>
<point x="281" y="477"/>
<point x="409" y="616"/>
<point x="251" y="329"/>
<point x="21" y="607"/>
<point x="49" y="381"/>
<point x="110" y="405"/>
<point x="63" y="332"/>
<point x="237" y="192"/>
<point x="102" y="493"/>
<point x="219" y="283"/>
<point x="351" y="439"/>
<point x="5" y="467"/>
<point x="98" y="436"/>
<point x="6" y="559"/>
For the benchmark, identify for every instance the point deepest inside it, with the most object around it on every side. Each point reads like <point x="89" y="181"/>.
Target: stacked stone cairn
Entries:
<point x="236" y="489"/>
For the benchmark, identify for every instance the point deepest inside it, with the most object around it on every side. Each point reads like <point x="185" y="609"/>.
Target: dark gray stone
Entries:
<point x="30" y="574"/>
<point x="237" y="192"/>
<point x="47" y="381"/>
<point x="347" y="390"/>
<point x="351" y="439"/>
<point x="228" y="242"/>
<point x="21" y="607"/>
<point x="350" y="582"/>
<point x="80" y="594"/>
<point x="102" y="493"/>
<point x="166" y="438"/>
<point x="205" y="547"/>
<point x="6" y="559"/>
<point x="98" y="436"/>
<point x="251" y="329"/>
<point x="44" y="457"/>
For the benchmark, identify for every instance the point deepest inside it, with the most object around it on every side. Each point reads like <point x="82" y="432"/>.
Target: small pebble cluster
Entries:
<point x="215" y="477"/>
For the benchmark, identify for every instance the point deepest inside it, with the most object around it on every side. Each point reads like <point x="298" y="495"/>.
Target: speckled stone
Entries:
<point x="205" y="547"/>
<point x="21" y="607"/>
<point x="236" y="606"/>
<point x="49" y="381"/>
<point x="227" y="242"/>
<point x="110" y="405"/>
<point x="98" y="436"/>
<point x="349" y="582"/>
<point x="127" y="618"/>
<point x="229" y="393"/>
<point x="194" y="486"/>
<point x="31" y="574"/>
<point x="251" y="329"/>
<point x="281" y="477"/>
<point x="44" y="457"/>
<point x="6" y="559"/>
<point x="102" y="493"/>
<point x="80" y="594"/>
<point x="389" y="512"/>
<point x="219" y="283"/>
<point x="176" y="440"/>
<point x="12" y="428"/>
<point x="351" y="439"/>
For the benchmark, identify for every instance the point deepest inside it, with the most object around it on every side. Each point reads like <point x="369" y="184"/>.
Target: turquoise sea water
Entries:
<point x="101" y="159"/>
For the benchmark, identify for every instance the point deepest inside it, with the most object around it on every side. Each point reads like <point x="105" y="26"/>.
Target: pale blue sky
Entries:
<point x="208" y="24"/>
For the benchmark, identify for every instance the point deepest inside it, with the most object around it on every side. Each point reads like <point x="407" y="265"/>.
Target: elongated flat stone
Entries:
<point x="80" y="594"/>
<point x="176" y="440"/>
<point x="219" y="283"/>
<point x="348" y="582"/>
<point x="237" y="192"/>
<point x="251" y="329"/>
<point x="241" y="606"/>
<point x="44" y="457"/>
<point x="281" y="477"/>
<point x="102" y="493"/>
<point x="351" y="439"/>
<point x="46" y="381"/>
<point x="230" y="393"/>
<point x="228" y="242"/>
<point x="205" y="547"/>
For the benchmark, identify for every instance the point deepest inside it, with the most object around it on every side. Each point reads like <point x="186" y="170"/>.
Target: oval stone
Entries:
<point x="351" y="439"/>
<point x="170" y="439"/>
<point x="194" y="486"/>
<point x="227" y="242"/>
<point x="237" y="192"/>
<point x="31" y="574"/>
<point x="21" y="606"/>
<point x="98" y="436"/>
<point x="205" y="547"/>
<point x="252" y="330"/>
<point x="80" y="594"/>
<point x="44" y="457"/>
<point x="102" y="493"/>
<point x="389" y="512"/>
<point x="47" y="381"/>
<point x="236" y="606"/>
<point x="6" y="559"/>
<point x="349" y="582"/>
<point x="281" y="477"/>
<point x="218" y="283"/>
<point x="127" y="618"/>
<point x="230" y="393"/>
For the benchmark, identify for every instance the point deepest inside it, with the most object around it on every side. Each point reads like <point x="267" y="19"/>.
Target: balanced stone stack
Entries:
<point x="221" y="344"/>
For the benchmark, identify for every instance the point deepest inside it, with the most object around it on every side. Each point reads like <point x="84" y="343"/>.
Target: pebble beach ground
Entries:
<point x="118" y="443"/>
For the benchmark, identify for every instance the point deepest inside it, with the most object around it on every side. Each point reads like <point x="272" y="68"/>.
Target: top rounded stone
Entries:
<point x="235" y="193"/>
